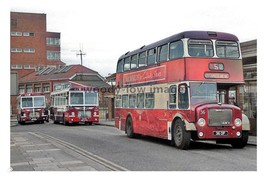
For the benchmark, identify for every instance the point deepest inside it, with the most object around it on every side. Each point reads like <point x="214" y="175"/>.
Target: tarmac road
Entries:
<point x="144" y="153"/>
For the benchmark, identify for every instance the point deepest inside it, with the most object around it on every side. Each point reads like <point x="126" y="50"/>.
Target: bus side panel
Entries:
<point x="175" y="70"/>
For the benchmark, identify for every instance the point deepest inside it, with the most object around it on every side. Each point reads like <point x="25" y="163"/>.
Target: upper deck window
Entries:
<point x="227" y="49"/>
<point x="120" y="66"/>
<point x="151" y="57"/>
<point x="134" y="61"/>
<point x="200" y="48"/>
<point x="142" y="59"/>
<point x="126" y="64"/>
<point x="176" y="49"/>
<point x="163" y="53"/>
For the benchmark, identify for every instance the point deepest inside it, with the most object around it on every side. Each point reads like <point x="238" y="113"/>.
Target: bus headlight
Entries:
<point x="238" y="122"/>
<point x="201" y="122"/>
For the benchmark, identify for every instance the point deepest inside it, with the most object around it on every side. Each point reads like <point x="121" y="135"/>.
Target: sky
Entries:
<point x="106" y="29"/>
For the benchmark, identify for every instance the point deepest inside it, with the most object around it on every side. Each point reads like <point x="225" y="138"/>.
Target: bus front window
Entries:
<point x="39" y="101"/>
<point x="91" y="98"/>
<point x="200" y="48"/>
<point x="27" y="102"/>
<point x="76" y="98"/>
<point x="203" y="92"/>
<point x="227" y="49"/>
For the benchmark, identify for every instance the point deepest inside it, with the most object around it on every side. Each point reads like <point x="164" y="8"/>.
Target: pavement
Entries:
<point x="39" y="152"/>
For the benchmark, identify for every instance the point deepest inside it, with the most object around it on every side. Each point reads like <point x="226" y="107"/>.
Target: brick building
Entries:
<point x="47" y="79"/>
<point x="32" y="47"/>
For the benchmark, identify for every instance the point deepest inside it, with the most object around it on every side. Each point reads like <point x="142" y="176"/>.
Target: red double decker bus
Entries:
<point x="31" y="108"/>
<point x="178" y="88"/>
<point x="74" y="105"/>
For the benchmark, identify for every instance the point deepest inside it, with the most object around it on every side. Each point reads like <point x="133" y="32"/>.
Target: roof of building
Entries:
<point x="52" y="73"/>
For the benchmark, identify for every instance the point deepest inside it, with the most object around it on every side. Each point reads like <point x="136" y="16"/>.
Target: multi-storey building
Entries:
<point x="32" y="47"/>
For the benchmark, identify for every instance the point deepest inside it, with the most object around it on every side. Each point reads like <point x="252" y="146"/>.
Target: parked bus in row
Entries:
<point x="74" y="105"/>
<point x="177" y="89"/>
<point x="31" y="108"/>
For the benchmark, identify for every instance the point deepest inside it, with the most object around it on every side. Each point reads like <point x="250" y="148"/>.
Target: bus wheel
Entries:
<point x="64" y="121"/>
<point x="129" y="128"/>
<point x="181" y="137"/>
<point x="240" y="142"/>
<point x="55" y="120"/>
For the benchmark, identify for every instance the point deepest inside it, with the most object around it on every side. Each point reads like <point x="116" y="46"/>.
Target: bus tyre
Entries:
<point x="64" y="121"/>
<point x="181" y="137"/>
<point x="129" y="128"/>
<point x="240" y="142"/>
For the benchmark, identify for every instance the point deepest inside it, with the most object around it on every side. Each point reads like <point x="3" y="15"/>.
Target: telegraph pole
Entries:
<point x="81" y="54"/>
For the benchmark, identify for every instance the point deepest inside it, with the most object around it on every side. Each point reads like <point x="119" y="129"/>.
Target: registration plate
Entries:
<point x="220" y="133"/>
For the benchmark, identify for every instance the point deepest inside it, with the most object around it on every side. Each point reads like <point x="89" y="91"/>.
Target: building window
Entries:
<point x="28" y="34"/>
<point x="14" y="22"/>
<point x="53" y="55"/>
<point x="29" y="88"/>
<point x="29" y="50"/>
<point x="29" y="67"/>
<point x="16" y="50"/>
<point x="21" y="90"/>
<point x="16" y="33"/>
<point x="52" y="41"/>
<point x="16" y="66"/>
<point x="46" y="88"/>
<point x="37" y="88"/>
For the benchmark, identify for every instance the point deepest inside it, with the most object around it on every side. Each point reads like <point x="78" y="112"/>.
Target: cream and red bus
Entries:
<point x="177" y="89"/>
<point x="73" y="105"/>
<point x="31" y="108"/>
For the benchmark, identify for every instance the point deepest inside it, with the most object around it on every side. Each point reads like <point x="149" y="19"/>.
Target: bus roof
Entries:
<point x="186" y="34"/>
